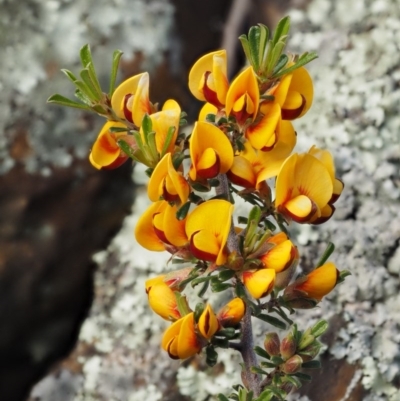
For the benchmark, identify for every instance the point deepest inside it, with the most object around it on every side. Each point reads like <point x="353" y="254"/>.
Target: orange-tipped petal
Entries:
<point x="232" y="313"/>
<point x="262" y="134"/>
<point x="208" y="323"/>
<point x="105" y="151"/>
<point x="144" y="230"/>
<point x="169" y="341"/>
<point x="243" y="93"/>
<point x="259" y="283"/>
<point x="320" y="281"/>
<point x="279" y="257"/>
<point x="205" y="138"/>
<point x="214" y="218"/>
<point x="162" y="301"/>
<point x="242" y="173"/>
<point x="141" y="102"/>
<point x="153" y="281"/>
<point x="204" y="246"/>
<point x="188" y="343"/>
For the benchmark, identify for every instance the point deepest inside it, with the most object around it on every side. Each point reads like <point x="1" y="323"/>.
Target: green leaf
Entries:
<point x="302" y="376"/>
<point x="147" y="126"/>
<point x="319" y="328"/>
<point x="143" y="149"/>
<point x="210" y="118"/>
<point x="177" y="159"/>
<point x="327" y="253"/>
<point x="273" y="321"/>
<point x="293" y="380"/>
<point x="151" y="142"/>
<point x="86" y="78"/>
<point x="69" y="75"/>
<point x="268" y="365"/>
<point x="85" y="55"/>
<point x="266" y="395"/>
<point x="311" y="365"/>
<point x="242" y="220"/>
<point x="264" y="36"/>
<point x="246" y="46"/>
<point x="168" y="139"/>
<point x="281" y="30"/>
<point x="226" y="275"/>
<point x="182" y="304"/>
<point x="63" y="101"/>
<point x="211" y="356"/>
<point x="198" y="310"/>
<point x="83" y="98"/>
<point x="93" y="77"/>
<point x="203" y="289"/>
<point x="342" y="275"/>
<point x="254" y="215"/>
<point x="118" y="129"/>
<point x="228" y="332"/>
<point x="183" y="211"/>
<point x="216" y="286"/>
<point x="114" y="70"/>
<point x="86" y="91"/>
<point x="283" y="59"/>
<point x="261" y="352"/>
<point x="254" y="44"/>
<point x="221" y="397"/>
<point x="303" y="60"/>
<point x="277" y="360"/>
<point x="200" y="280"/>
<point x="256" y="369"/>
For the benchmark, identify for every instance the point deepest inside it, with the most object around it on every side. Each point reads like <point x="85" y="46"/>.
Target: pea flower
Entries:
<point x="207" y="227"/>
<point x="167" y="183"/>
<point x="243" y="97"/>
<point x="130" y="99"/>
<point x="259" y="283"/>
<point x="210" y="151"/>
<point x="162" y="299"/>
<point x="306" y="187"/>
<point x="208" y="323"/>
<point x="208" y="78"/>
<point x="294" y="93"/>
<point x="180" y="339"/>
<point x="105" y="153"/>
<point x="252" y="167"/>
<point x="232" y="313"/>
<point x="314" y="286"/>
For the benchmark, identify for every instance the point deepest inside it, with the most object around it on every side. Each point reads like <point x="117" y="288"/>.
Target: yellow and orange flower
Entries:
<point x="180" y="339"/>
<point x="207" y="227"/>
<point x="232" y="313"/>
<point x="306" y="187"/>
<point x="105" y="153"/>
<point x="252" y="167"/>
<point x="210" y="151"/>
<point x="259" y="283"/>
<point x="294" y="93"/>
<point x="243" y="97"/>
<point x="208" y="78"/>
<point x="208" y="323"/>
<point x="318" y="283"/>
<point x="162" y="299"/>
<point x="130" y="99"/>
<point x="167" y="183"/>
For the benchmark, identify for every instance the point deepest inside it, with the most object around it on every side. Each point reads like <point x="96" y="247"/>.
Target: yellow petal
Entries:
<point x="213" y="65"/>
<point x="188" y="343"/>
<point x="208" y="323"/>
<point x="242" y="173"/>
<point x="144" y="230"/>
<point x="244" y="83"/>
<point x="260" y="133"/>
<point x="105" y="150"/>
<point x="169" y="341"/>
<point x="162" y="301"/>
<point x="232" y="313"/>
<point x="214" y="216"/>
<point x="174" y="229"/>
<point x="285" y="180"/>
<point x="259" y="283"/>
<point x="141" y="102"/>
<point x="204" y="245"/>
<point x="153" y="281"/>
<point x="207" y="136"/>
<point x="208" y="108"/>
<point x="180" y="184"/>
<point x="279" y="257"/>
<point x="320" y="281"/>
<point x="301" y="207"/>
<point x="128" y="87"/>
<point x="154" y="191"/>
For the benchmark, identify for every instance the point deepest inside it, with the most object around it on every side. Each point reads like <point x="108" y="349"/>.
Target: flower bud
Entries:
<point x="288" y="346"/>
<point x="292" y="365"/>
<point x="208" y="323"/>
<point x="174" y="278"/>
<point x="272" y="344"/>
<point x="232" y="313"/>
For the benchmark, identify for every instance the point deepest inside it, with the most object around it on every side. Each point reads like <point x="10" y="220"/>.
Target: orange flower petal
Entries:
<point x="232" y="313"/>
<point x="320" y="281"/>
<point x="279" y="257"/>
<point x="208" y="323"/>
<point x="188" y="343"/>
<point x="162" y="301"/>
<point x="174" y="229"/>
<point x="259" y="283"/>
<point x="144" y="230"/>
<point x="242" y="173"/>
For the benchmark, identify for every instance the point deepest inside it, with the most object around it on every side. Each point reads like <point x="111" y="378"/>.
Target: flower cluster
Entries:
<point x="240" y="146"/>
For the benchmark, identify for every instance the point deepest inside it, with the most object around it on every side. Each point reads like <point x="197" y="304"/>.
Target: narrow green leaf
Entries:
<point x="319" y="328"/>
<point x="177" y="159"/>
<point x="281" y="30"/>
<point x="221" y="397"/>
<point x="147" y="126"/>
<point x="226" y="275"/>
<point x="182" y="304"/>
<point x="256" y="369"/>
<point x="183" y="211"/>
<point x="263" y="41"/>
<point x="246" y="46"/>
<point x="228" y="332"/>
<point x="268" y="365"/>
<point x="167" y="142"/>
<point x="63" y="101"/>
<point x="300" y="62"/>
<point x="283" y="59"/>
<point x="249" y="396"/>
<point x="82" y="97"/>
<point x="254" y="44"/>
<point x="203" y="289"/>
<point x="293" y="380"/>
<point x="342" y="275"/>
<point x="277" y="360"/>
<point x="87" y="91"/>
<point x="142" y="148"/>
<point x="151" y="142"/>
<point x="118" y="129"/>
<point x="85" y="75"/>
<point x="198" y="310"/>
<point x="311" y="365"/>
<point x="261" y="352"/>
<point x="220" y="342"/>
<point x="69" y="75"/>
<point x="242" y="220"/>
<point x="85" y="55"/>
<point x="266" y="395"/>
<point x="114" y="70"/>
<point x="200" y="280"/>
<point x="93" y="77"/>
<point x="219" y="287"/>
<point x="302" y="376"/>
<point x="254" y="215"/>
<point x="210" y="118"/>
<point x="272" y="320"/>
<point x="327" y="253"/>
